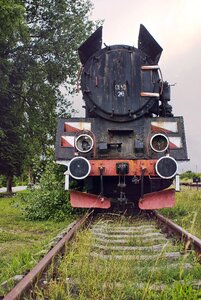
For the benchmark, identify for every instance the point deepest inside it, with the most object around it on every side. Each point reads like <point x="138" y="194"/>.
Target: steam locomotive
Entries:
<point x="127" y="147"/>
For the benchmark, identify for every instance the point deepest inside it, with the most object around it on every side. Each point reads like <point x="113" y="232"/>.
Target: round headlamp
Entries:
<point x="159" y="142"/>
<point x="84" y="143"/>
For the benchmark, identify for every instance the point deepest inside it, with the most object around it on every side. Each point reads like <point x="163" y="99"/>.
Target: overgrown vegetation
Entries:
<point x="189" y="175"/>
<point x="187" y="211"/>
<point x="48" y="200"/>
<point x="86" y="276"/>
<point x="22" y="242"/>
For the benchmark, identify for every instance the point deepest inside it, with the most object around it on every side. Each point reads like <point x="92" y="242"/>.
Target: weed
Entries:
<point x="187" y="211"/>
<point x="22" y="242"/>
<point x="86" y="276"/>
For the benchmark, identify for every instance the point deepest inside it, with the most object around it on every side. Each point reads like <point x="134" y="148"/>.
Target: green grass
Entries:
<point x="187" y="211"/>
<point x="85" y="277"/>
<point x="22" y="242"/>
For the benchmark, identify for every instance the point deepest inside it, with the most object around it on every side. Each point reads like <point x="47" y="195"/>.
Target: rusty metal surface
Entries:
<point x="135" y="167"/>
<point x="86" y="200"/>
<point x="189" y="239"/>
<point x="157" y="200"/>
<point x="18" y="291"/>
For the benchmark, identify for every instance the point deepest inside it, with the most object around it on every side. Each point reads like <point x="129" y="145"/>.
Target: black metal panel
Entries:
<point x="148" y="45"/>
<point x="67" y="152"/>
<point x="90" y="46"/>
<point x="177" y="133"/>
<point x="112" y="82"/>
<point x="129" y="140"/>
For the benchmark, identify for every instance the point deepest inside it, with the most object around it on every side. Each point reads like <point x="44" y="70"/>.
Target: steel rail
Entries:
<point x="28" y="280"/>
<point x="190" y="240"/>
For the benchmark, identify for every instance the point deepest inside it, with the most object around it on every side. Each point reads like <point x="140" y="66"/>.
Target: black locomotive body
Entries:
<point x="127" y="147"/>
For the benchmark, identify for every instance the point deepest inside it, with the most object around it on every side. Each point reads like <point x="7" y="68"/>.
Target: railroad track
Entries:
<point x="118" y="257"/>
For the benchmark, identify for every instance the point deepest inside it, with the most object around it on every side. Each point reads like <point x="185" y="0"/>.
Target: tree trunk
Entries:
<point x="30" y="176"/>
<point x="9" y="183"/>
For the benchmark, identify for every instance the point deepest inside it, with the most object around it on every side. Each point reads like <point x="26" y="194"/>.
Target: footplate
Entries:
<point x="85" y="200"/>
<point x="157" y="200"/>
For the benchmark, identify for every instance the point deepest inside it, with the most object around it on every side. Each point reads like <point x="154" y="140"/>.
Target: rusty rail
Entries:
<point x="191" y="184"/>
<point x="189" y="239"/>
<point x="28" y="280"/>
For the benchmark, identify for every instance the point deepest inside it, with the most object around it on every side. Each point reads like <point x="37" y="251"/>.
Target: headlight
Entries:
<point x="84" y="143"/>
<point x="159" y="142"/>
<point x="166" y="167"/>
<point x="79" y="167"/>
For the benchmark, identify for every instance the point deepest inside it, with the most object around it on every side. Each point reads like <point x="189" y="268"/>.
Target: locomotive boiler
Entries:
<point x="127" y="147"/>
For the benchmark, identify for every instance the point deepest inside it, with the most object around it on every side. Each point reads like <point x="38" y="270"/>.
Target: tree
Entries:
<point x="40" y="57"/>
<point x="56" y="29"/>
<point x="12" y="34"/>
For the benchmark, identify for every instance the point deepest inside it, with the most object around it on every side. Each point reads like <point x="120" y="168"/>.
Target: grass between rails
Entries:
<point x="187" y="211"/>
<point x="22" y="242"/>
<point x="87" y="277"/>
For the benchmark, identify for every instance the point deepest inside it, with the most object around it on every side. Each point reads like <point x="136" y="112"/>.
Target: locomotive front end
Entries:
<point x="127" y="148"/>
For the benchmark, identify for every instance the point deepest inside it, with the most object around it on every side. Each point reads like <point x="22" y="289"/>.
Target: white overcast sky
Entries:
<point x="176" y="26"/>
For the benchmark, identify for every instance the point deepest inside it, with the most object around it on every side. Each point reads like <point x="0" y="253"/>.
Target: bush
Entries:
<point x="49" y="200"/>
<point x="189" y="175"/>
<point x="2" y="181"/>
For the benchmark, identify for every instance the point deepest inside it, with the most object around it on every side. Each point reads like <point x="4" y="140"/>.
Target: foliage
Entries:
<point x="12" y="34"/>
<point x="38" y="66"/>
<point x="189" y="175"/>
<point x="49" y="200"/>
<point x="2" y="181"/>
<point x="187" y="211"/>
<point x="20" y="180"/>
<point x="23" y="242"/>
